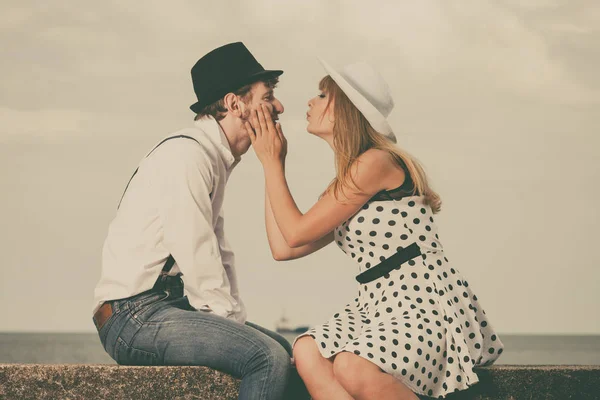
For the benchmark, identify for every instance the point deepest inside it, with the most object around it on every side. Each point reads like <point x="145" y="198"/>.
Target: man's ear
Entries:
<point x="233" y="104"/>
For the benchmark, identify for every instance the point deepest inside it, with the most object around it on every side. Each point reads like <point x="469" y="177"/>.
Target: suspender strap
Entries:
<point x="155" y="147"/>
<point x="164" y="272"/>
<point x="170" y="261"/>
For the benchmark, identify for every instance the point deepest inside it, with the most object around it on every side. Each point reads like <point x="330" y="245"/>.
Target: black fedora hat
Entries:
<point x="224" y="70"/>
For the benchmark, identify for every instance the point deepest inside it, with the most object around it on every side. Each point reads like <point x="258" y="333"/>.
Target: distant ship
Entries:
<point x="283" y="325"/>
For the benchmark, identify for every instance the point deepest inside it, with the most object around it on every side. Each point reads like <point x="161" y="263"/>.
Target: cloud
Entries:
<point x="510" y="56"/>
<point x="58" y="125"/>
<point x="46" y="124"/>
<point x="117" y="59"/>
<point x="478" y="46"/>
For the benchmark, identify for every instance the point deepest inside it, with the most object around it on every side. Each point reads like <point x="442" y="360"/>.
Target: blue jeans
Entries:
<point x="159" y="327"/>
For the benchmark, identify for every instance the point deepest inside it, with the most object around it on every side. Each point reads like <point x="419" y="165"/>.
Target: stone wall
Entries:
<point x="34" y="381"/>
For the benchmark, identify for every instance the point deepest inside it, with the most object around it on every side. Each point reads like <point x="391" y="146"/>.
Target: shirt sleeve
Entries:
<point x="228" y="260"/>
<point x="183" y="183"/>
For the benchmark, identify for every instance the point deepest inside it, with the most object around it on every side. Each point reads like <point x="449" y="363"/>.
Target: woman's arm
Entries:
<point x="368" y="172"/>
<point x="300" y="229"/>
<point x="279" y="247"/>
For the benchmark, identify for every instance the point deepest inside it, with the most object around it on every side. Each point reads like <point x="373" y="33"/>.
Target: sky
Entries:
<point x="499" y="100"/>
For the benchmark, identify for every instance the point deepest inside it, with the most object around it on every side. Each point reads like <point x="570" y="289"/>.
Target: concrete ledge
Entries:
<point x="548" y="382"/>
<point x="35" y="381"/>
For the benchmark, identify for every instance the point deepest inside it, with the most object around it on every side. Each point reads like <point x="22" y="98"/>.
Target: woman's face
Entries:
<point x="319" y="116"/>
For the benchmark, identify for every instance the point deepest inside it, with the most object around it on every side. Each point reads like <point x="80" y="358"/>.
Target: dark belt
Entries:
<point x="105" y="311"/>
<point x="389" y="264"/>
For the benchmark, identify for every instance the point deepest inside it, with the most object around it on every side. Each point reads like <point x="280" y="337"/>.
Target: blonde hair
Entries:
<point x="353" y="135"/>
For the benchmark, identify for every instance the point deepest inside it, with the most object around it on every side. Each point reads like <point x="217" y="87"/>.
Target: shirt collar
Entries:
<point x="216" y="135"/>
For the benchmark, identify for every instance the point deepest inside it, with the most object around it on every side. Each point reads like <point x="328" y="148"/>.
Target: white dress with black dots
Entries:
<point x="421" y="323"/>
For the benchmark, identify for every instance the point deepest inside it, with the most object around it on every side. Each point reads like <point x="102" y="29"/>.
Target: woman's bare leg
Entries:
<point x="317" y="371"/>
<point x="364" y="380"/>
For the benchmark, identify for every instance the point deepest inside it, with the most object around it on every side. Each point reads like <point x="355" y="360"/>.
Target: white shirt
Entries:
<point x="173" y="205"/>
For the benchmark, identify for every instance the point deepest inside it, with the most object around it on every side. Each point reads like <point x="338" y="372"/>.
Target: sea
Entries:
<point x="85" y="348"/>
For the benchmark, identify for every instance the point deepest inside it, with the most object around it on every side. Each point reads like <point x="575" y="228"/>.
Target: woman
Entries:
<point x="415" y="326"/>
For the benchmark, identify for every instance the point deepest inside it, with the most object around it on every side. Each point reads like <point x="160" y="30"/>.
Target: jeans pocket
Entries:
<point x="127" y="355"/>
<point x="141" y="300"/>
<point x="145" y="306"/>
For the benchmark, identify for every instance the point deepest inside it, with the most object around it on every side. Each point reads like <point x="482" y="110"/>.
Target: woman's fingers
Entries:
<point x="262" y="121"/>
<point x="256" y="124"/>
<point x="279" y="131"/>
<point x="268" y="118"/>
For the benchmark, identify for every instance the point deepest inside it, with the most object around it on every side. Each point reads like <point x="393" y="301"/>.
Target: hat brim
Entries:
<point x="199" y="105"/>
<point x="377" y="120"/>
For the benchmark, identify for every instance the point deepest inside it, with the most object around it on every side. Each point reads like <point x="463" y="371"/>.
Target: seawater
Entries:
<point x="85" y="348"/>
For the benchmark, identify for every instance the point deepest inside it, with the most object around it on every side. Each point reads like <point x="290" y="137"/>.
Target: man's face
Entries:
<point x="259" y="94"/>
<point x="262" y="94"/>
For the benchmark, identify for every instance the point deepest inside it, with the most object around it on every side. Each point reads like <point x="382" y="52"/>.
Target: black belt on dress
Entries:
<point x="389" y="264"/>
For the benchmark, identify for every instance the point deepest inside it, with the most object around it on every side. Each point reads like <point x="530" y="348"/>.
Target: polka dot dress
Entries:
<point x="421" y="322"/>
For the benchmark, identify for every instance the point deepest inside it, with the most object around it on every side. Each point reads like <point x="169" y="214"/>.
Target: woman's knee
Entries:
<point x="305" y="353"/>
<point x="349" y="371"/>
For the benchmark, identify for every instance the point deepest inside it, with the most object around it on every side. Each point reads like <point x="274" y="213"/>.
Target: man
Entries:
<point x="168" y="292"/>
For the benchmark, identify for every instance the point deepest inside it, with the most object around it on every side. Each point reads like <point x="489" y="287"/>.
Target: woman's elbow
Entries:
<point x="295" y="242"/>
<point x="280" y="255"/>
<point x="279" y="250"/>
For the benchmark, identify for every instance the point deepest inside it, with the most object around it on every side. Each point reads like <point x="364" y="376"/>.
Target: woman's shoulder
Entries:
<point x="375" y="155"/>
<point x="375" y="159"/>
<point x="372" y="169"/>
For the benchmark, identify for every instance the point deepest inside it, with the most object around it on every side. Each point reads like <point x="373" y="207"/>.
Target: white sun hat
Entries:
<point x="368" y="91"/>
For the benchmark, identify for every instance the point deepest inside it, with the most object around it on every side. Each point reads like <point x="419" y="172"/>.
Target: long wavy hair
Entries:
<point x="353" y="135"/>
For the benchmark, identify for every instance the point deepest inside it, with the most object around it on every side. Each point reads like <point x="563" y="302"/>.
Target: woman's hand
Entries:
<point x="270" y="145"/>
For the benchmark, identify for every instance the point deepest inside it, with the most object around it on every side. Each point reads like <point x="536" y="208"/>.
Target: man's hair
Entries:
<point x="218" y="110"/>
